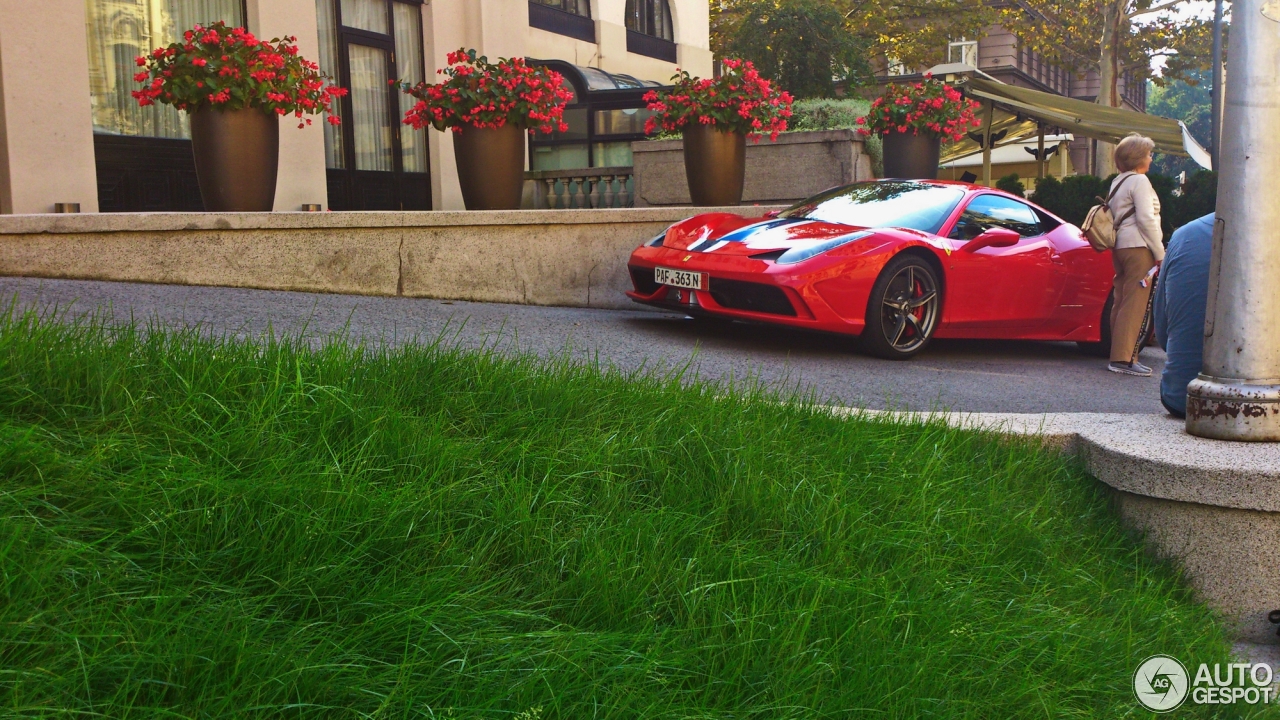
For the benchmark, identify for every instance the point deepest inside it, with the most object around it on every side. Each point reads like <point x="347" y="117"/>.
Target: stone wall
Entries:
<point x="549" y="257"/>
<point x="795" y="166"/>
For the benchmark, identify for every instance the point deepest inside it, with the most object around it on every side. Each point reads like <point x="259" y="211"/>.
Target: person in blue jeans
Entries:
<point x="1178" y="309"/>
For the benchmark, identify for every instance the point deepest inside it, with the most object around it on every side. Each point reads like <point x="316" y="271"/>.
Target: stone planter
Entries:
<point x="490" y="166"/>
<point x="911" y="156"/>
<point x="795" y="166"/>
<point x="237" y="154"/>
<point x="715" y="165"/>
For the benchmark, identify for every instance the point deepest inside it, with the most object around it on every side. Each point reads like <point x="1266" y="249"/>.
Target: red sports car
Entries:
<point x="896" y="262"/>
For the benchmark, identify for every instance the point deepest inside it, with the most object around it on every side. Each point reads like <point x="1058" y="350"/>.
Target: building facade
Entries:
<point x="70" y="132"/>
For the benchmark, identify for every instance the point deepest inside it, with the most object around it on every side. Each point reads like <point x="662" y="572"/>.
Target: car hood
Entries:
<point x="729" y="234"/>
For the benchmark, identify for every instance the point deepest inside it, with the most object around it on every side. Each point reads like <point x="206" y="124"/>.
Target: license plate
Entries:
<point x="680" y="278"/>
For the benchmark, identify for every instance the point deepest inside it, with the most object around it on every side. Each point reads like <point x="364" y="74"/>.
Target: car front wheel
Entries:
<point x="903" y="310"/>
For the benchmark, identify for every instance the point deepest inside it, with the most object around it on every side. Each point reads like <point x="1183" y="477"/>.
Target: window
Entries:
<point x="649" y="29"/>
<point x="120" y="32"/>
<point x="563" y="17"/>
<point x="650" y="17"/>
<point x="573" y="7"/>
<point x="963" y="51"/>
<point x="918" y="206"/>
<point x="607" y="113"/>
<point x="894" y="67"/>
<point x="988" y="211"/>
<point x="375" y="161"/>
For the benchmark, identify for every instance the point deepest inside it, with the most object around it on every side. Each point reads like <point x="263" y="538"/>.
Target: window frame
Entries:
<point x="961" y="44"/>
<point x="561" y="22"/>
<point x="654" y="46"/>
<point x="955" y="226"/>
<point x="347" y="181"/>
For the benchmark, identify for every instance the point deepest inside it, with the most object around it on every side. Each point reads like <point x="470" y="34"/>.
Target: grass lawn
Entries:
<point x="194" y="527"/>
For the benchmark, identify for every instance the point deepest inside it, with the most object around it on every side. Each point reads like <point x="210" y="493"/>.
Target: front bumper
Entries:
<point x="741" y="288"/>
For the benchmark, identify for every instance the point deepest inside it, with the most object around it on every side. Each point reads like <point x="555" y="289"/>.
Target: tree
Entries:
<point x="915" y="34"/>
<point x="1189" y="101"/>
<point x="1112" y="38"/>
<point x="802" y="44"/>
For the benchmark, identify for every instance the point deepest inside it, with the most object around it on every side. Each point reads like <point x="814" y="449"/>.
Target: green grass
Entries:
<point x="202" y="527"/>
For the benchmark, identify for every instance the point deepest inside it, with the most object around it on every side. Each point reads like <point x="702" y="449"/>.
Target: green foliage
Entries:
<point x="1199" y="198"/>
<point x="836" y="114"/>
<point x="802" y="44"/>
<point x="1189" y="102"/>
<point x="1070" y="198"/>
<point x="1012" y="185"/>
<point x="203" y="527"/>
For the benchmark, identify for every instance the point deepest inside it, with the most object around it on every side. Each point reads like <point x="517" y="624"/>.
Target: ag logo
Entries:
<point x="1160" y="683"/>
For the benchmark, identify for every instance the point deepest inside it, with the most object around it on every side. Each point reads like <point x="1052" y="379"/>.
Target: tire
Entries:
<point x="1102" y="348"/>
<point x="903" y="310"/>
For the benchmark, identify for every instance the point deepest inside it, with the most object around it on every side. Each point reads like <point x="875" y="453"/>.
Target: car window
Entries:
<point x="892" y="203"/>
<point x="987" y="211"/>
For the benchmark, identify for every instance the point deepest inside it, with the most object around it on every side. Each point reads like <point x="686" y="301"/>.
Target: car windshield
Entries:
<point x="893" y="203"/>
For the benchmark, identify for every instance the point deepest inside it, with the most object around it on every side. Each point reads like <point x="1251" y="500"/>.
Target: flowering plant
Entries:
<point x="218" y="66"/>
<point x="738" y="101"/>
<point x="489" y="95"/>
<point x="931" y="107"/>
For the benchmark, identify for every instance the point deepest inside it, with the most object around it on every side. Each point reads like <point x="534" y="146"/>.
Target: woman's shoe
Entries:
<point x="1133" y="368"/>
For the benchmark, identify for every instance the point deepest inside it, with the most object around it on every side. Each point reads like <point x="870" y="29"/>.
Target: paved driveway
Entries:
<point x="972" y="376"/>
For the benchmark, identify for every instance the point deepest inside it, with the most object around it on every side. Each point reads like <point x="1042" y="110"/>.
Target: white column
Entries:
<point x="46" y="118"/>
<point x="301" y="179"/>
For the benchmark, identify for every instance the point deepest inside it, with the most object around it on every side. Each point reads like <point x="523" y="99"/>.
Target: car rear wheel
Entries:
<point x="903" y="310"/>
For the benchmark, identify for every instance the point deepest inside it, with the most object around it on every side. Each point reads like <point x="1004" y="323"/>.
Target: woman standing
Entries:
<point x="1139" y="248"/>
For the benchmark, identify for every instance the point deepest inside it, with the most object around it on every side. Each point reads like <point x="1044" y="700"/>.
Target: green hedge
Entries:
<point x="1071" y="197"/>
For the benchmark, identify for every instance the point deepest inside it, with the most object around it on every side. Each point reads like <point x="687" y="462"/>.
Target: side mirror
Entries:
<point x="994" y="237"/>
<point x="773" y="213"/>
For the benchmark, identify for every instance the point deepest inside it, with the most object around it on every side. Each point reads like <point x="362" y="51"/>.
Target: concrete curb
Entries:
<point x="1212" y="506"/>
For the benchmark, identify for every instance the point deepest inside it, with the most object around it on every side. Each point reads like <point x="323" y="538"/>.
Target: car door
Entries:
<point x="1001" y="291"/>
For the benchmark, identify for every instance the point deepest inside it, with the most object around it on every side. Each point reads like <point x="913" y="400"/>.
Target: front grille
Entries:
<point x="642" y="278"/>
<point x="754" y="297"/>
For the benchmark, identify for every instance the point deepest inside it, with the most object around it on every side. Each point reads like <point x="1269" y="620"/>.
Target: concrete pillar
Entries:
<point x="1237" y="395"/>
<point x="46" y="118"/>
<point x="302" y="176"/>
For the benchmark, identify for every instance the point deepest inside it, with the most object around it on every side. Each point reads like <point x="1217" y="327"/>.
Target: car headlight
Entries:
<point x="657" y="241"/>
<point x="800" y="254"/>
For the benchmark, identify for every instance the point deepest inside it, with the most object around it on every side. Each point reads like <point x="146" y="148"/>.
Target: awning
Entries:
<point x="1018" y="111"/>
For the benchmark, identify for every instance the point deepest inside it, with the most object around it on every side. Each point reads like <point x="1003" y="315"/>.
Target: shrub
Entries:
<point x="1071" y="197"/>
<point x="1012" y="185"/>
<point x="230" y="69"/>
<point x="836" y="114"/>
<point x="738" y="101"/>
<point x="930" y="107"/>
<point x="489" y="95"/>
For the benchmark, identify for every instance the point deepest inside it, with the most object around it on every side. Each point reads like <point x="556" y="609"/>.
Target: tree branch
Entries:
<point x="1156" y="8"/>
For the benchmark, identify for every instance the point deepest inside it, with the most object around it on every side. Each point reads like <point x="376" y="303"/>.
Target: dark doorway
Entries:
<point x="374" y="161"/>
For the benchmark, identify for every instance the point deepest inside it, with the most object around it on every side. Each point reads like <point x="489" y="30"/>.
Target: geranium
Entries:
<point x="482" y="94"/>
<point x="738" y="101"/>
<point x="931" y="107"/>
<point x="229" y="68"/>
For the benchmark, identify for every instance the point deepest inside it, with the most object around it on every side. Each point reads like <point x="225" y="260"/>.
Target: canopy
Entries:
<point x="1018" y="112"/>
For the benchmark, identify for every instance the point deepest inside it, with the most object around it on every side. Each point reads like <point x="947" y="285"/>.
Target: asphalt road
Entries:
<point x="968" y="375"/>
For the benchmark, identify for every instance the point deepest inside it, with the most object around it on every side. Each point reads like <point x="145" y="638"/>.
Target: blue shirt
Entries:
<point x="1181" y="294"/>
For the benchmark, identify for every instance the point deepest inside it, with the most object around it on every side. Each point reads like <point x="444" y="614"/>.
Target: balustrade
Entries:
<point x="604" y="187"/>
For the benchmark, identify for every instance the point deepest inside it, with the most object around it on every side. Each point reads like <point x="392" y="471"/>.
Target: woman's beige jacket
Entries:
<point x="1142" y="229"/>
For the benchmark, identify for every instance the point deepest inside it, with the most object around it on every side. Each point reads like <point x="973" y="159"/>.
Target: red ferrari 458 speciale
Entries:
<point x="896" y="262"/>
